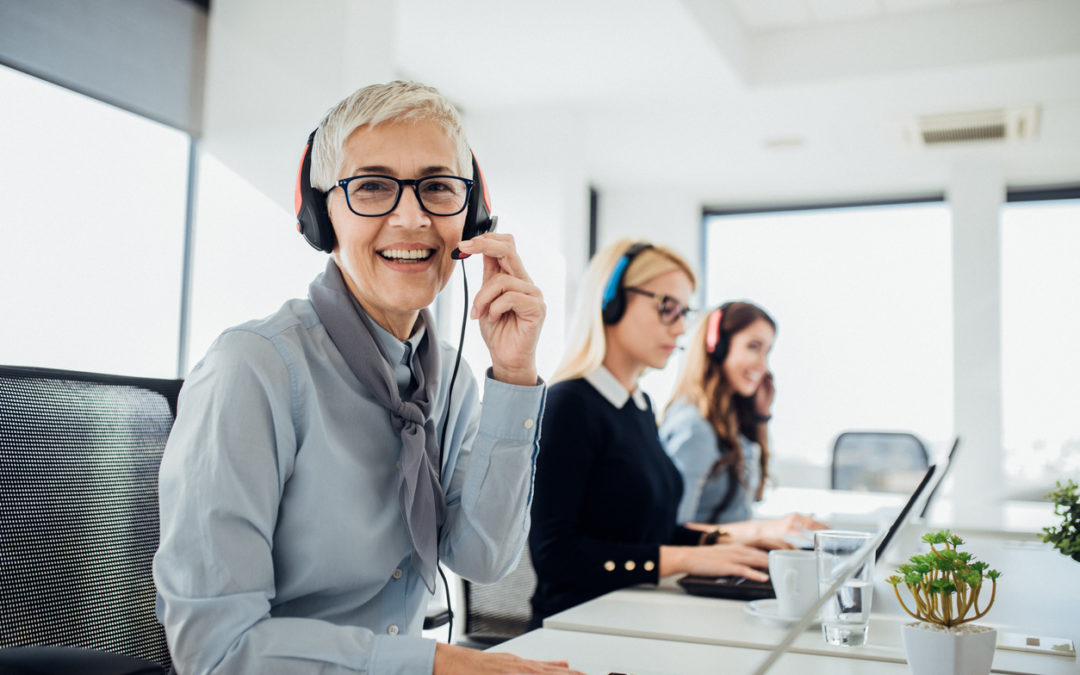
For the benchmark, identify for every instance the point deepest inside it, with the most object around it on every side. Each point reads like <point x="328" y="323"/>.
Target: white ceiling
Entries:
<point x="764" y="100"/>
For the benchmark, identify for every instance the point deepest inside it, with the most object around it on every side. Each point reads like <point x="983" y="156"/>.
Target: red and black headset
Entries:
<point x="716" y="341"/>
<point x="313" y="220"/>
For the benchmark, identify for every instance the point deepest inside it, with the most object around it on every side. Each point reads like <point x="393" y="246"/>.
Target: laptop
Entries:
<point x="741" y="588"/>
<point x="940" y="478"/>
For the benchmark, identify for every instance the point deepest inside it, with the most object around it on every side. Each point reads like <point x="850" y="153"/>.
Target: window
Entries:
<point x="862" y="297"/>
<point x="1040" y="244"/>
<point x="93" y="231"/>
<point x="248" y="257"/>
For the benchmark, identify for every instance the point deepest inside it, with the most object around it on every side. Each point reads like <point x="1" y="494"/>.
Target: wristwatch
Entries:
<point x="712" y="536"/>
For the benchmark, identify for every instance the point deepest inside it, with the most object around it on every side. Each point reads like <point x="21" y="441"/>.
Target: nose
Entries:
<point x="408" y="211"/>
<point x="679" y="326"/>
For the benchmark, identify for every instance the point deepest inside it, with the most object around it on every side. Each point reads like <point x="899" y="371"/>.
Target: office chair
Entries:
<point x="500" y="611"/>
<point x="79" y="456"/>
<point x="878" y="461"/>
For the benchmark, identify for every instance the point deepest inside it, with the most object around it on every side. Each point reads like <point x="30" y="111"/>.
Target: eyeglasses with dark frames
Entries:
<point x="669" y="309"/>
<point x="373" y="195"/>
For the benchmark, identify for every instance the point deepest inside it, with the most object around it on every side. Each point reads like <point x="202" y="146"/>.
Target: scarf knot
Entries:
<point x="406" y="414"/>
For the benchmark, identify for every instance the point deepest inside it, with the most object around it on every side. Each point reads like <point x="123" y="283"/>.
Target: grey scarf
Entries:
<point x="423" y="503"/>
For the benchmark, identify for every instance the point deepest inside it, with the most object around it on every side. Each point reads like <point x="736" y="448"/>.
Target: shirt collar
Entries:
<point x="611" y="389"/>
<point x="394" y="347"/>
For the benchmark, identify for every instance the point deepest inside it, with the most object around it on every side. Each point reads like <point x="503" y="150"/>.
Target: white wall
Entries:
<point x="536" y="174"/>
<point x="273" y="70"/>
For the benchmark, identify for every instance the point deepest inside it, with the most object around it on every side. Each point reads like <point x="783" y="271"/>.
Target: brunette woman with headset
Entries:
<point x="604" y="513"/>
<point x="716" y="427"/>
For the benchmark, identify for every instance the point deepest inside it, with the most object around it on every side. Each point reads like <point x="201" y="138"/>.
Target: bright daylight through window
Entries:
<point x="1040" y="244"/>
<point x="93" y="233"/>
<point x="862" y="301"/>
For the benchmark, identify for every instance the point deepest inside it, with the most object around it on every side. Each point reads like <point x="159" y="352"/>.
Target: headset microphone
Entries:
<point x="456" y="254"/>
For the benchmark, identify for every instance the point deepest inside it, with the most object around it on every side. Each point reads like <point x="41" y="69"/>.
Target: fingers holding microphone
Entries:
<point x="509" y="307"/>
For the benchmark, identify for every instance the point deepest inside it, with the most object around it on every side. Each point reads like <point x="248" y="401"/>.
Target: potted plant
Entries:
<point x="946" y="587"/>
<point x="1065" y="538"/>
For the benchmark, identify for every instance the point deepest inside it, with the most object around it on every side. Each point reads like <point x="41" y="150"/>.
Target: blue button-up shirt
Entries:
<point x="283" y="546"/>
<point x="690" y="440"/>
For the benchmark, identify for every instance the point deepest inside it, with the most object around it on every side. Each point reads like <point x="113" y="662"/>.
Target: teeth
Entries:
<point x="407" y="254"/>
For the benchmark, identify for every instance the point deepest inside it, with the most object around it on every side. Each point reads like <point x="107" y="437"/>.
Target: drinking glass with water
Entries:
<point x="845" y="617"/>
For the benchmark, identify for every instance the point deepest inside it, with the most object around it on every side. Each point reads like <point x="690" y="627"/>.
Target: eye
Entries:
<point x="442" y="190"/>
<point x="372" y="188"/>
<point x="671" y="308"/>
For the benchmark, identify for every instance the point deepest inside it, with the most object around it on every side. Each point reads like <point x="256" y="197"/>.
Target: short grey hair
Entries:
<point x="396" y="101"/>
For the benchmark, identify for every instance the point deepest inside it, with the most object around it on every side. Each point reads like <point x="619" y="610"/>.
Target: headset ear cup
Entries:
<point x="478" y="218"/>
<point x="613" y="302"/>
<point x="312" y="218"/>
<point x="716" y="344"/>
<point x="614" y="308"/>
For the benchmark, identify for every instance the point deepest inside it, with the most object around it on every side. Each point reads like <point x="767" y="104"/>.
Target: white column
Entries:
<point x="976" y="194"/>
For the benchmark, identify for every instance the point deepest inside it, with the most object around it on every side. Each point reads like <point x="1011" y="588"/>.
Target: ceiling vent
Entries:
<point x="1002" y="124"/>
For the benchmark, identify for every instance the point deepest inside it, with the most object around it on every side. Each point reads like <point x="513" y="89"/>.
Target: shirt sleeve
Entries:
<point x="563" y="557"/>
<point x="691" y="443"/>
<point x="229" y="456"/>
<point x="491" y="464"/>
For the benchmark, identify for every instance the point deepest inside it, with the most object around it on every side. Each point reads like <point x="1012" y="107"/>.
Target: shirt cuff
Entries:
<point x="402" y="655"/>
<point x="512" y="412"/>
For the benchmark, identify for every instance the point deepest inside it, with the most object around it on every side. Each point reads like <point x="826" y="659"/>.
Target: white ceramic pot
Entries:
<point x="934" y="651"/>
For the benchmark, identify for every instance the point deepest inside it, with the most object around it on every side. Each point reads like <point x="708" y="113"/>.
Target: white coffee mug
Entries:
<point x="794" y="578"/>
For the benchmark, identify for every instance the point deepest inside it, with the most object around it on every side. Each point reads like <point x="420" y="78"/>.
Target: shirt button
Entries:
<point x="630" y="565"/>
<point x="397" y="574"/>
<point x="610" y="566"/>
<point x="397" y="465"/>
<point x="649" y="566"/>
<point x="392" y="630"/>
<point x="529" y="423"/>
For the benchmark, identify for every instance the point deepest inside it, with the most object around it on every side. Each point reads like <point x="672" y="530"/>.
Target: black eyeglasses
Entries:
<point x="375" y="195"/>
<point x="669" y="309"/>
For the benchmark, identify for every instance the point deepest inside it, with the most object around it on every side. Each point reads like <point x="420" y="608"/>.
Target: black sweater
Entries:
<point x="605" y="499"/>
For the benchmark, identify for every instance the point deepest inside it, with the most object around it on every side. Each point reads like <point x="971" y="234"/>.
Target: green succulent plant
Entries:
<point x="1066" y="537"/>
<point x="945" y="583"/>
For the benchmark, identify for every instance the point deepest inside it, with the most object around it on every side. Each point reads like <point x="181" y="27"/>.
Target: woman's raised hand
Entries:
<point x="509" y="307"/>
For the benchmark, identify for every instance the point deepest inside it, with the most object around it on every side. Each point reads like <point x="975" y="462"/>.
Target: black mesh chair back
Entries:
<point x="500" y="611"/>
<point x="79" y="456"/>
<point x="878" y="461"/>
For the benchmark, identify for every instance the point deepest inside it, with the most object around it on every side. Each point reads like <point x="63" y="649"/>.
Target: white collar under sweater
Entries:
<point x="611" y="389"/>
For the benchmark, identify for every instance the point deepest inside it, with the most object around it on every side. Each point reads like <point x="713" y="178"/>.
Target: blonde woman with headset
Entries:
<point x="604" y="513"/>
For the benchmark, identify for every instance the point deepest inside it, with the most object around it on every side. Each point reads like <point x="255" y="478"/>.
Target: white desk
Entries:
<point x="597" y="654"/>
<point x="846" y="508"/>
<point x="1039" y="593"/>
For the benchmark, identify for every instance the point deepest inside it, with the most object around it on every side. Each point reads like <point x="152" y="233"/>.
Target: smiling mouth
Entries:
<point x="400" y="255"/>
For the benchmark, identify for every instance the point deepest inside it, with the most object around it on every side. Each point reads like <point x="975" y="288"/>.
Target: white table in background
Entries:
<point x="598" y="654"/>
<point x="1039" y="594"/>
